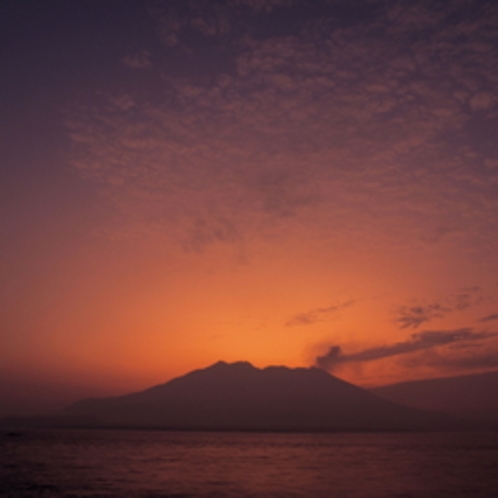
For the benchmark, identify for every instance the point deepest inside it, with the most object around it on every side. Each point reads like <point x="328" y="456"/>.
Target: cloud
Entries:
<point x="139" y="60"/>
<point x="330" y="359"/>
<point x="489" y="318"/>
<point x="413" y="316"/>
<point x="263" y="126"/>
<point x="317" y="315"/>
<point x="468" y="297"/>
<point x="207" y="231"/>
<point x="417" y="342"/>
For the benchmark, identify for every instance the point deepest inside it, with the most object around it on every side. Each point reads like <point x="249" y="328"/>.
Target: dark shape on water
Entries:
<point x="240" y="397"/>
<point x="14" y="434"/>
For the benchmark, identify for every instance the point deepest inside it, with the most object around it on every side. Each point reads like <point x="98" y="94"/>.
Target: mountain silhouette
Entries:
<point x="240" y="397"/>
<point x="471" y="396"/>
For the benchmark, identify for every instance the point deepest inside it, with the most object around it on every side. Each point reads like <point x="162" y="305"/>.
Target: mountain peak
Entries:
<point x="235" y="365"/>
<point x="239" y="396"/>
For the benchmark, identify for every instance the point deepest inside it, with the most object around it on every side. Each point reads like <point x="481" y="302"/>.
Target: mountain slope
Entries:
<point x="474" y="396"/>
<point x="240" y="397"/>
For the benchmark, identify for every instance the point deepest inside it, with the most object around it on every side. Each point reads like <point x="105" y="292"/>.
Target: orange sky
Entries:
<point x="261" y="182"/>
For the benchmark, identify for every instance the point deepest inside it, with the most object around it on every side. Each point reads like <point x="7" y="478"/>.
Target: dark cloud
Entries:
<point x="489" y="318"/>
<point x="176" y="20"/>
<point x="469" y="297"/>
<point x="417" y="342"/>
<point x="412" y="316"/>
<point x="317" y="315"/>
<point x="330" y="359"/>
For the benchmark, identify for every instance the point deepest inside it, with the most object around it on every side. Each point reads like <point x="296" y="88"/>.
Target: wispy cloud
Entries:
<point x="318" y="314"/>
<point x="416" y="342"/>
<point x="412" y="316"/>
<point x="489" y="318"/>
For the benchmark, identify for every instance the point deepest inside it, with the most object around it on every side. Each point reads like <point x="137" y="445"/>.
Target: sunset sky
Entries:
<point x="290" y="182"/>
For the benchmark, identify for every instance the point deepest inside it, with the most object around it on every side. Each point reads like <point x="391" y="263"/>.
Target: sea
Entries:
<point x="160" y="464"/>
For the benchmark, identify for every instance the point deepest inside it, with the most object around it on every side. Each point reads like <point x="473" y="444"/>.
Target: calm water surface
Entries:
<point x="181" y="465"/>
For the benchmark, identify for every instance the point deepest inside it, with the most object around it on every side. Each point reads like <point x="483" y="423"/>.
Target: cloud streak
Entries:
<point x="489" y="318"/>
<point x="416" y="342"/>
<point x="318" y="314"/>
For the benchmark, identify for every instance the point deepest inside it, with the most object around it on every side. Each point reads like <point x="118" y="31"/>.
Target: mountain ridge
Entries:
<point x="471" y="396"/>
<point x="240" y="397"/>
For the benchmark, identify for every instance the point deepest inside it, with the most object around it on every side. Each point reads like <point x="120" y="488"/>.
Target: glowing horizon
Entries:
<point x="269" y="181"/>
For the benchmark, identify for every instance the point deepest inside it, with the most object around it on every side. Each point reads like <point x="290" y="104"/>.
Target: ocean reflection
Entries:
<point x="165" y="464"/>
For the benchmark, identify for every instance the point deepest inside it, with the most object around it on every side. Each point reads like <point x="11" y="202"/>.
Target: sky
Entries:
<point x="284" y="182"/>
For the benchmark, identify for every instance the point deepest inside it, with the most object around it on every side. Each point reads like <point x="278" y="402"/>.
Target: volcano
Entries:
<point x="240" y="397"/>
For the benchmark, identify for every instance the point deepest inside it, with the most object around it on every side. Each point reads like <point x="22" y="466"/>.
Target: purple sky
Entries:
<point x="278" y="181"/>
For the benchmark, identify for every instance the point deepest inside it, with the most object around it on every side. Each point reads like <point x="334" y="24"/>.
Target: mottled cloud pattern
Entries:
<point x="250" y="128"/>
<point x="187" y="181"/>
